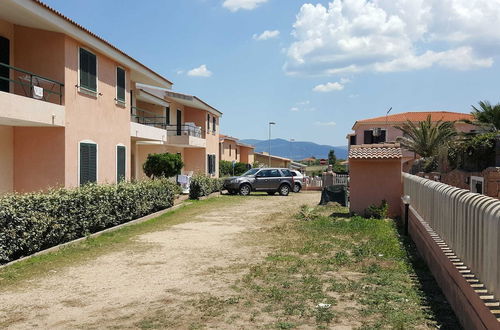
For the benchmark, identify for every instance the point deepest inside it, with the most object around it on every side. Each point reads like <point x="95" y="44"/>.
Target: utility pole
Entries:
<point x="270" y="123"/>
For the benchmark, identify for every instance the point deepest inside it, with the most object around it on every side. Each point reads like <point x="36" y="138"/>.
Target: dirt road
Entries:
<point x="164" y="277"/>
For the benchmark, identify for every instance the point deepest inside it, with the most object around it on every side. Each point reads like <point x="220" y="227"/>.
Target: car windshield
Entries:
<point x="250" y="172"/>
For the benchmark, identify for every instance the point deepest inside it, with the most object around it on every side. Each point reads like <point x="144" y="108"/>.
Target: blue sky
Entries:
<point x="331" y="63"/>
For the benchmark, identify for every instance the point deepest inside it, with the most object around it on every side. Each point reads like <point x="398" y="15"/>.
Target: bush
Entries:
<point x="163" y="165"/>
<point x="474" y="153"/>
<point x="201" y="185"/>
<point x="36" y="221"/>
<point x="226" y="168"/>
<point x="377" y="212"/>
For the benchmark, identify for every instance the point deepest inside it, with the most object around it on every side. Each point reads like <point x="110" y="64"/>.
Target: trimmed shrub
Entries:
<point x="36" y="221"/>
<point x="163" y="165"/>
<point x="226" y="168"/>
<point x="201" y="185"/>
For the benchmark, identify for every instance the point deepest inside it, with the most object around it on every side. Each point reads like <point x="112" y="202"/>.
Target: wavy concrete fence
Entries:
<point x="469" y="223"/>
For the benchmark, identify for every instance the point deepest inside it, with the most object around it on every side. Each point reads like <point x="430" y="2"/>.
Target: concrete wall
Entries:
<point x="94" y="117"/>
<point x="6" y="159"/>
<point x="470" y="310"/>
<point x="38" y="158"/>
<point x="374" y="180"/>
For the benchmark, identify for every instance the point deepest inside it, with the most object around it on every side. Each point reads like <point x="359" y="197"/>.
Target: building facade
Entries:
<point x="231" y="149"/>
<point x="69" y="105"/>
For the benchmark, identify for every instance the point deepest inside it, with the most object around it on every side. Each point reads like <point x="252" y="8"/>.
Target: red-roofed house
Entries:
<point x="382" y="129"/>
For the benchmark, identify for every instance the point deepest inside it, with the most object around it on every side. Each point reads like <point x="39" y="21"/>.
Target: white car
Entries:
<point x="298" y="180"/>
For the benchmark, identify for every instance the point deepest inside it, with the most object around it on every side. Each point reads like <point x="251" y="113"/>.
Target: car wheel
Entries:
<point x="296" y="187"/>
<point x="271" y="193"/>
<point x="284" y="190"/>
<point x="245" y="190"/>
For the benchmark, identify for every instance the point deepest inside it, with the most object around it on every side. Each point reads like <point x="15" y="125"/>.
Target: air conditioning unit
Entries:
<point x="377" y="132"/>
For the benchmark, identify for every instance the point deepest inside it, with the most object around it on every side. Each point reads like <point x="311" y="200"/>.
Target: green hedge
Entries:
<point x="202" y="185"/>
<point x="36" y="221"/>
<point x="226" y="168"/>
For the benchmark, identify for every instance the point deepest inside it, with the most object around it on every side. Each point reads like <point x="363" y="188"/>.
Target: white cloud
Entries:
<point x="328" y="87"/>
<point x="235" y="5"/>
<point x="303" y="106"/>
<point x="294" y="109"/>
<point x="326" y="123"/>
<point x="393" y="35"/>
<point x="266" y="35"/>
<point x="200" y="71"/>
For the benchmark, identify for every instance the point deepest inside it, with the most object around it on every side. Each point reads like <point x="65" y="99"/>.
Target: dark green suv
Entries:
<point x="270" y="180"/>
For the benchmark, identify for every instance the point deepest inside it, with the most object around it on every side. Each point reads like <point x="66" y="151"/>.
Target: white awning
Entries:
<point x="144" y="96"/>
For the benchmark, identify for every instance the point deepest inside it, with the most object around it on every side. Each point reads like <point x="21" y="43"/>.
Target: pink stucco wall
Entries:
<point x="372" y="181"/>
<point x="199" y="117"/>
<point x="94" y="118"/>
<point x="230" y="151"/>
<point x="247" y="155"/>
<point x="6" y="159"/>
<point x="38" y="158"/>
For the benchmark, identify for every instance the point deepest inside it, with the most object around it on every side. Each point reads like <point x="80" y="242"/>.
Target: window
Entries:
<point x="120" y="85"/>
<point x="369" y="138"/>
<point x="214" y="121"/>
<point x="211" y="164"/>
<point x="269" y="173"/>
<point x="88" y="70"/>
<point x="167" y="115"/>
<point x="120" y="163"/>
<point x="208" y="123"/>
<point x="88" y="162"/>
<point x="288" y="173"/>
<point x="352" y="141"/>
<point x="230" y="148"/>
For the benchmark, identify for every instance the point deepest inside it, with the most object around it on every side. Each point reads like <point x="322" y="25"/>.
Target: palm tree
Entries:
<point x="426" y="138"/>
<point x="487" y="114"/>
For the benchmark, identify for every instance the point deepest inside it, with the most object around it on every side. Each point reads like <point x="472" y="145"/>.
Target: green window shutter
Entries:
<point x="88" y="163"/>
<point x="88" y="70"/>
<point x="120" y="84"/>
<point x="120" y="162"/>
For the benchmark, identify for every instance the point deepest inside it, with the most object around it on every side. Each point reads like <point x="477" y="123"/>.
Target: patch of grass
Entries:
<point x="358" y="267"/>
<point x="91" y="248"/>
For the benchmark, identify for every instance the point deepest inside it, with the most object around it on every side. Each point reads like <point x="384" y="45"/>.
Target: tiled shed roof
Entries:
<point x="375" y="151"/>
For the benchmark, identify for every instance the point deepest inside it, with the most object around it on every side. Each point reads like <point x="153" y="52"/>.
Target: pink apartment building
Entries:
<point x="380" y="130"/>
<point x="75" y="109"/>
<point x="231" y="149"/>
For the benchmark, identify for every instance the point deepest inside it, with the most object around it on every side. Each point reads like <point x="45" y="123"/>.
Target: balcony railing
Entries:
<point x="30" y="84"/>
<point x="150" y="118"/>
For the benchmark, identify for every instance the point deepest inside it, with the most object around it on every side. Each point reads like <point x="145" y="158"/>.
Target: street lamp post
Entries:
<point x="270" y="123"/>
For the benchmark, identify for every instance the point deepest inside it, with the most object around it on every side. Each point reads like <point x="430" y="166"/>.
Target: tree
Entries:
<point x="163" y="165"/>
<point x="425" y="138"/>
<point x="487" y="114"/>
<point x="332" y="159"/>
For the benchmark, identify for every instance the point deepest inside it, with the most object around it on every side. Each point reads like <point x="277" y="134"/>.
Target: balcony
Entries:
<point x="147" y="126"/>
<point x="27" y="99"/>
<point x="187" y="136"/>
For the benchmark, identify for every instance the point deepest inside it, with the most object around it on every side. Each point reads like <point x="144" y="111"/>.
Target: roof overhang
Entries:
<point x="144" y="96"/>
<point x="36" y="14"/>
<point x="192" y="102"/>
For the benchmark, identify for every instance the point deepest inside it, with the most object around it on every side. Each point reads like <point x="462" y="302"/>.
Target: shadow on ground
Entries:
<point x="434" y="297"/>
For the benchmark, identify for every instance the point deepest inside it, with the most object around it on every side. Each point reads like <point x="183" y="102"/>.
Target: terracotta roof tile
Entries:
<point x="375" y="151"/>
<point x="418" y="116"/>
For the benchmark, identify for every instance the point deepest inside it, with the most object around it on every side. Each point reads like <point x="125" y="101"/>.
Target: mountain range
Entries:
<point x="296" y="150"/>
